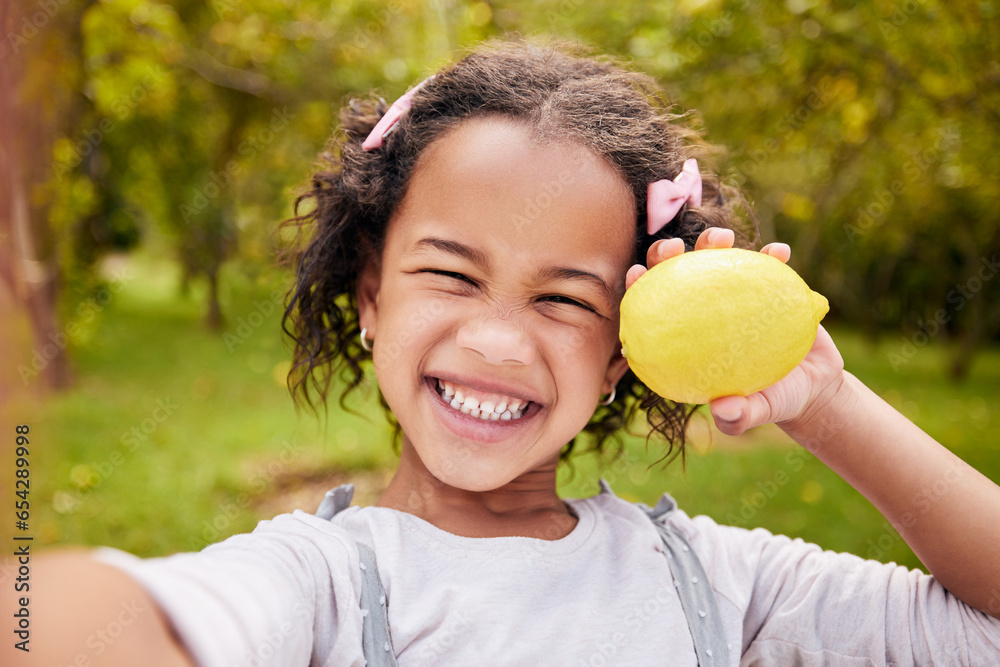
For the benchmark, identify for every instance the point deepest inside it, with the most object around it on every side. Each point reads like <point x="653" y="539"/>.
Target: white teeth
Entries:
<point x="490" y="409"/>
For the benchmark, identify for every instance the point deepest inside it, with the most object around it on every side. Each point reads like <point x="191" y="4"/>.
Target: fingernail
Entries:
<point x="728" y="413"/>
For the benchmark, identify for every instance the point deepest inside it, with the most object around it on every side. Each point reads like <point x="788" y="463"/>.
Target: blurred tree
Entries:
<point x="863" y="137"/>
<point x="202" y="98"/>
<point x="40" y="66"/>
<point x="864" y="133"/>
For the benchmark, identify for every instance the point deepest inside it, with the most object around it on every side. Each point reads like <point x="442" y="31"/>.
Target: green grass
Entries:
<point x="232" y="435"/>
<point x="169" y="425"/>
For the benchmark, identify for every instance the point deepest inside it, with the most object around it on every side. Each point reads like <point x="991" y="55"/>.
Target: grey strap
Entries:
<point x="375" y="639"/>
<point x="693" y="589"/>
<point x="375" y="631"/>
<point x="335" y="501"/>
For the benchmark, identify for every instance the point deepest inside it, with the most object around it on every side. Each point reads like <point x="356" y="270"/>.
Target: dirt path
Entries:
<point x="304" y="490"/>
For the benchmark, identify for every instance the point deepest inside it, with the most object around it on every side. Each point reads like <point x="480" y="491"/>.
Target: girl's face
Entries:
<point x="500" y="280"/>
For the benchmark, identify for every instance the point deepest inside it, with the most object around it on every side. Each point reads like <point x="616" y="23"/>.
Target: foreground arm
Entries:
<point x="948" y="512"/>
<point x="286" y="594"/>
<point x="84" y="612"/>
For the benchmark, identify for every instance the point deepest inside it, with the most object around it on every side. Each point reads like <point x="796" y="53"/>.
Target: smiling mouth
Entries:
<point x="493" y="407"/>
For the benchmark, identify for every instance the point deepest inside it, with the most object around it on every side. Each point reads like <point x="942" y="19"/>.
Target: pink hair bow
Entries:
<point x="388" y="121"/>
<point x="665" y="198"/>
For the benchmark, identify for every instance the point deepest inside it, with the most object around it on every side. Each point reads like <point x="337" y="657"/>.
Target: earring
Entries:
<point x="610" y="398"/>
<point x="364" y="343"/>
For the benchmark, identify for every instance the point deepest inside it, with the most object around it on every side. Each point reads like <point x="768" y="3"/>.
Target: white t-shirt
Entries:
<point x="288" y="594"/>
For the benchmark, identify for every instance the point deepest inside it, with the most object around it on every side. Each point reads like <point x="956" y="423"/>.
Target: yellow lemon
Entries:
<point x="717" y="322"/>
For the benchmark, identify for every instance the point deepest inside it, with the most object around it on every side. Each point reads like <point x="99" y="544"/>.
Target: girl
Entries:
<point x="474" y="240"/>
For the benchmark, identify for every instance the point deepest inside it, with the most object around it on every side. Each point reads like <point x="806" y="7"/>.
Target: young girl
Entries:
<point x="475" y="244"/>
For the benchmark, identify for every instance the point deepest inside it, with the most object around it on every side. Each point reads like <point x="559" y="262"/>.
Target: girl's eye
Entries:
<point x="449" y="274"/>
<point x="558" y="298"/>
<point x="555" y="298"/>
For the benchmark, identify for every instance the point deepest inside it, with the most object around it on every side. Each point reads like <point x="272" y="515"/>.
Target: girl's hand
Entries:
<point x="810" y="385"/>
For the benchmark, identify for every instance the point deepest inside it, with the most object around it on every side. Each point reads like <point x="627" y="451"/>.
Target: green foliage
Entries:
<point x="865" y="134"/>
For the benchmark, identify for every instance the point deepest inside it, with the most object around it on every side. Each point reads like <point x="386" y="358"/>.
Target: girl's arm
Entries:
<point x="947" y="512"/>
<point x="84" y="612"/>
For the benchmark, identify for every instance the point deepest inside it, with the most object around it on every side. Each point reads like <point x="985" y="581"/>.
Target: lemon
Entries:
<point x="717" y="322"/>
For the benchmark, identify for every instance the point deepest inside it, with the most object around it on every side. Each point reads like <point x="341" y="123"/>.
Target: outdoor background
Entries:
<point x="150" y="149"/>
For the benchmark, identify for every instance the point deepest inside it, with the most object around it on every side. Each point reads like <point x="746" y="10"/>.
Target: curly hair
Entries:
<point x="560" y="91"/>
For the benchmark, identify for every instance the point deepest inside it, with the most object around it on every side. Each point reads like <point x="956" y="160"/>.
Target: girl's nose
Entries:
<point x="499" y="341"/>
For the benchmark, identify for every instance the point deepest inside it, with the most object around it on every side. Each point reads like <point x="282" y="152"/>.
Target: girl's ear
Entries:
<point x="367" y="294"/>
<point x="616" y="369"/>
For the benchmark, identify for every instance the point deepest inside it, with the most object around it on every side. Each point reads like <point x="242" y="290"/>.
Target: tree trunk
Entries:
<point x="963" y="353"/>
<point x="213" y="319"/>
<point x="29" y="283"/>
